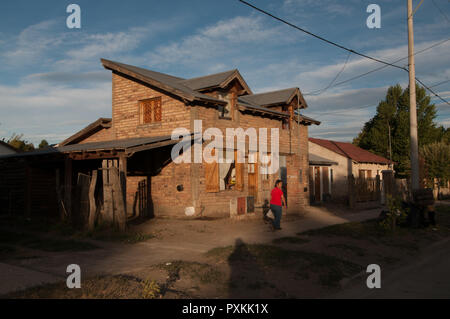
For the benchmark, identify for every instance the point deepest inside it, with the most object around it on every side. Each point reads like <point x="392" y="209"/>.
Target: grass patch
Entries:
<point x="329" y="269"/>
<point x="42" y="243"/>
<point x="99" y="287"/>
<point x="355" y="230"/>
<point x="202" y="272"/>
<point x="290" y="240"/>
<point x="127" y="237"/>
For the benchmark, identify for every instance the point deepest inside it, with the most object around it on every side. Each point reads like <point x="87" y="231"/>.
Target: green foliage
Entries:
<point x="436" y="158"/>
<point x="393" y="115"/>
<point x="150" y="289"/>
<point x="17" y="141"/>
<point x="43" y="144"/>
<point x="396" y="214"/>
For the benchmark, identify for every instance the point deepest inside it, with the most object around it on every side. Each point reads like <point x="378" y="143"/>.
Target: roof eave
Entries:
<point x="109" y="65"/>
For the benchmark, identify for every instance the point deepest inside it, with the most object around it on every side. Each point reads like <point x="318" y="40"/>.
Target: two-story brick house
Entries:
<point x="147" y="106"/>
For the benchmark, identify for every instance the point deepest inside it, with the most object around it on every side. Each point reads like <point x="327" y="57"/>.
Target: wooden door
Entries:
<point x="241" y="203"/>
<point x="317" y="184"/>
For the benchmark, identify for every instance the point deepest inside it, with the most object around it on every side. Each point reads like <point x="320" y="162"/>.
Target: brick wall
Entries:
<point x="105" y="134"/>
<point x="166" y="199"/>
<point x="125" y="113"/>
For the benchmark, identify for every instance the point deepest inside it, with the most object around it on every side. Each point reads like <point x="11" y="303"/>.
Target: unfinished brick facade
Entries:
<point x="173" y="188"/>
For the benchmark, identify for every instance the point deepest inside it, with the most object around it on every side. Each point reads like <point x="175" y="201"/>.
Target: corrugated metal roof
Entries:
<point x="350" y="151"/>
<point x="121" y="144"/>
<point x="317" y="160"/>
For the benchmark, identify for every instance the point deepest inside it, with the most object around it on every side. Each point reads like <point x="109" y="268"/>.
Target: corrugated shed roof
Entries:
<point x="121" y="144"/>
<point x="350" y="151"/>
<point x="318" y="160"/>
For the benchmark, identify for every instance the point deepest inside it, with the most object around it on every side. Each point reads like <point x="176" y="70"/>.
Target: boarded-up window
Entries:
<point x="150" y="110"/>
<point x="239" y="173"/>
<point x="212" y="184"/>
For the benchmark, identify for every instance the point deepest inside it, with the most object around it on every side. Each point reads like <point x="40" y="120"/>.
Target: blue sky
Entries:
<point x="52" y="83"/>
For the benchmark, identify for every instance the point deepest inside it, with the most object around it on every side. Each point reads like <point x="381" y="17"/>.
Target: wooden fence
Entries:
<point x="364" y="190"/>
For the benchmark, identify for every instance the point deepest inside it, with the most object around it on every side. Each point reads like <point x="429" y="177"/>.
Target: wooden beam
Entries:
<point x="92" y="205"/>
<point x="123" y="179"/>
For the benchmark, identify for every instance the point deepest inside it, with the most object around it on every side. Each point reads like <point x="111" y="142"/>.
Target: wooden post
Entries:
<point x="351" y="191"/>
<point x="123" y="179"/>
<point x="120" y="217"/>
<point x="107" y="194"/>
<point x="68" y="186"/>
<point x="92" y="206"/>
<point x="378" y="189"/>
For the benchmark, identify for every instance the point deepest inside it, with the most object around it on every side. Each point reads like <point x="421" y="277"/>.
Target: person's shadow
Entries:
<point x="247" y="280"/>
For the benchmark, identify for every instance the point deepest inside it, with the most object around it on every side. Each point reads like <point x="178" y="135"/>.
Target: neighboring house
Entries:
<point x="331" y="164"/>
<point x="6" y="149"/>
<point x="147" y="106"/>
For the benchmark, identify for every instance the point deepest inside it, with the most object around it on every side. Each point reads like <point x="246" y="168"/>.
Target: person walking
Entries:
<point x="276" y="202"/>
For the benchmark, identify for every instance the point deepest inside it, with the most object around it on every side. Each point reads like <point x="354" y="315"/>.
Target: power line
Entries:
<point x="434" y="93"/>
<point x="340" y="46"/>
<point x="320" y="91"/>
<point x="385" y="66"/>
<point x="440" y="83"/>
<point x="441" y="11"/>
<point x="321" y="38"/>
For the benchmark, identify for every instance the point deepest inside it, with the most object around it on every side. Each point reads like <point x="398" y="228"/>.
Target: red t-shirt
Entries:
<point x="276" y="196"/>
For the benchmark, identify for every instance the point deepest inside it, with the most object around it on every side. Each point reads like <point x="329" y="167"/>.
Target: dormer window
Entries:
<point x="150" y="110"/>
<point x="225" y="110"/>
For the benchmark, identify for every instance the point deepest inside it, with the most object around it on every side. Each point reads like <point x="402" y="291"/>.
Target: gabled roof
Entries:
<point x="350" y="151"/>
<point x="168" y="83"/>
<point x="190" y="89"/>
<point x="218" y="80"/>
<point x="11" y="148"/>
<point x="92" y="128"/>
<point x="280" y="97"/>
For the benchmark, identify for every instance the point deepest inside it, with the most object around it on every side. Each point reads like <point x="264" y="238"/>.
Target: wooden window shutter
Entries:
<point x="147" y="111"/>
<point x="212" y="184"/>
<point x="157" y="109"/>
<point x="239" y="173"/>
<point x="150" y="110"/>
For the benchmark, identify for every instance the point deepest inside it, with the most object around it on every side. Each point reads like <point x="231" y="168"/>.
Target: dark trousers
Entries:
<point x="277" y="211"/>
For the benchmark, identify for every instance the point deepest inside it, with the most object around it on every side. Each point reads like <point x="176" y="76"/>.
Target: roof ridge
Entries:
<point x="268" y="92"/>
<point x="212" y="74"/>
<point x="345" y="153"/>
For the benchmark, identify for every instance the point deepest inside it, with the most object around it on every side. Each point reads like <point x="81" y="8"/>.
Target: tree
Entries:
<point x="43" y="144"/>
<point x="391" y="122"/>
<point x="17" y="141"/>
<point x="436" y="158"/>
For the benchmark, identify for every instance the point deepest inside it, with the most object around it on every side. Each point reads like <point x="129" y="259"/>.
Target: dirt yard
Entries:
<point x="317" y="255"/>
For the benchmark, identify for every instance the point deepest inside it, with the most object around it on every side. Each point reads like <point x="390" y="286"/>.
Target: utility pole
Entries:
<point x="412" y="103"/>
